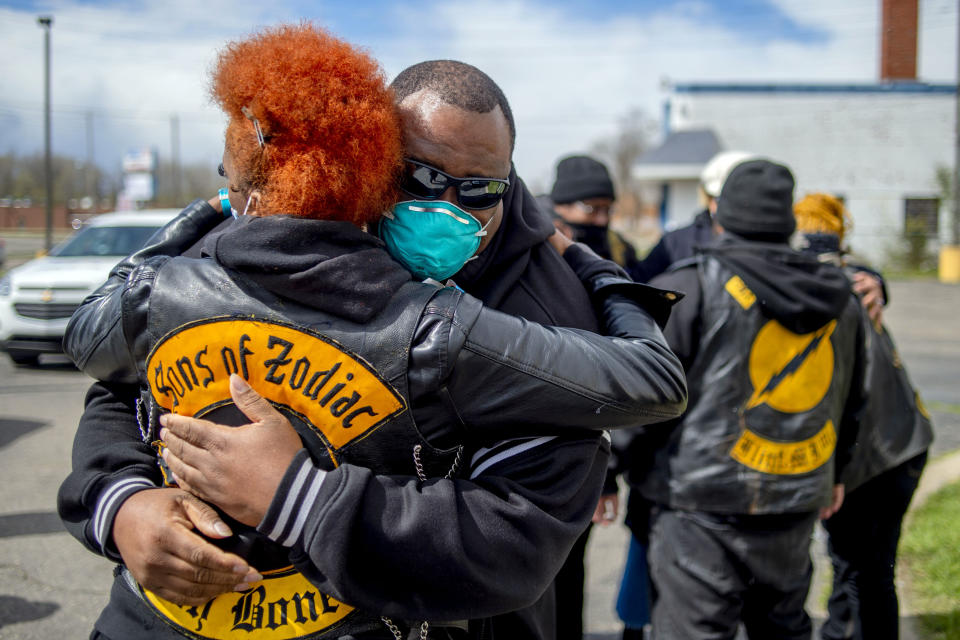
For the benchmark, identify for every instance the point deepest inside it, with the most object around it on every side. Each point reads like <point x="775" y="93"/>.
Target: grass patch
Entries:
<point x="823" y="598"/>
<point x="930" y="556"/>
<point x="944" y="407"/>
<point x="895" y="273"/>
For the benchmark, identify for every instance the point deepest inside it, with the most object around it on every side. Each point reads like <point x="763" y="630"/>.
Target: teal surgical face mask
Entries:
<point x="431" y="238"/>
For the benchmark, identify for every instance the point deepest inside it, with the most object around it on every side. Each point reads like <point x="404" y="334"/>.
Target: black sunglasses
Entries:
<point x="423" y="181"/>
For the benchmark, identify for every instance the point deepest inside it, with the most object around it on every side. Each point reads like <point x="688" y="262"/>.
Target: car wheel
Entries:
<point x="24" y="358"/>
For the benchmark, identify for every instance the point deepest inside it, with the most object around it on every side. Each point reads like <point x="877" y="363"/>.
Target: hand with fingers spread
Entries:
<point x="236" y="468"/>
<point x="155" y="532"/>
<point x="870" y="290"/>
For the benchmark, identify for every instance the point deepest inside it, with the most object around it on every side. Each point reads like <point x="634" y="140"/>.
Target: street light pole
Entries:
<point x="955" y="227"/>
<point x="949" y="262"/>
<point x="175" y="157"/>
<point x="46" y="22"/>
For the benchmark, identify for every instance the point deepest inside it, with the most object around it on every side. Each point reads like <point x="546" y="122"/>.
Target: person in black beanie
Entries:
<point x="772" y="346"/>
<point x="583" y="195"/>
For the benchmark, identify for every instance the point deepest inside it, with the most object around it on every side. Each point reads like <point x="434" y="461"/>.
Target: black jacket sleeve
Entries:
<point x="95" y="326"/>
<point x="468" y="547"/>
<point x="683" y="329"/>
<point x="855" y="404"/>
<point x="111" y="462"/>
<point x="499" y="373"/>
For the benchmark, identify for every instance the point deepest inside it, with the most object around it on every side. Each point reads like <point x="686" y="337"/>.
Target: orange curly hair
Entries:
<point x="822" y="213"/>
<point x="333" y="143"/>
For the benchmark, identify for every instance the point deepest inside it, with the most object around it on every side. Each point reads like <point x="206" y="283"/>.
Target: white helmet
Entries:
<point x="717" y="169"/>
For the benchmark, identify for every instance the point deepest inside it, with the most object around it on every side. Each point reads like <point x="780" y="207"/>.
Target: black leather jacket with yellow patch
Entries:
<point x="773" y="411"/>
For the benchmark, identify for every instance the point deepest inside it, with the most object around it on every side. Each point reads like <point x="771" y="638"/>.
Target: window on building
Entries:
<point x="921" y="216"/>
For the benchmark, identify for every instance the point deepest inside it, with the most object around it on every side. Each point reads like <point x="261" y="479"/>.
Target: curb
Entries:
<point x="938" y="473"/>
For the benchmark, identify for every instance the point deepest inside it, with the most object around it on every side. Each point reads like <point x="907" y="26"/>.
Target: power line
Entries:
<point x="124" y="114"/>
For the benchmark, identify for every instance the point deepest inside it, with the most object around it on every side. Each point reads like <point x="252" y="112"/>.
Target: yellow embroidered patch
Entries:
<point x="337" y="392"/>
<point x="283" y="606"/>
<point x="740" y="292"/>
<point x="790" y="372"/>
<point x="785" y="458"/>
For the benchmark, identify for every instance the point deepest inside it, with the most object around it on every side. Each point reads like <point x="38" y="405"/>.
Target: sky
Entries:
<point x="571" y="70"/>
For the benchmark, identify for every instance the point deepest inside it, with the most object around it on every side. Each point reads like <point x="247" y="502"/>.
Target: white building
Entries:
<point x="877" y="146"/>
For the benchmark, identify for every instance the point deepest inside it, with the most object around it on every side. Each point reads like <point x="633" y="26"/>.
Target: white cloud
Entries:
<point x="568" y="79"/>
<point x="132" y="67"/>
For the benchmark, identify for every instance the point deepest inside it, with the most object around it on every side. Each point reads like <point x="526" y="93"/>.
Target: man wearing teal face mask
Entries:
<point x="459" y="136"/>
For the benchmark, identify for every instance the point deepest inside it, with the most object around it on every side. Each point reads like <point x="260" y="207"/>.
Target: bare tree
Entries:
<point x="22" y="177"/>
<point x="635" y="132"/>
<point x="197" y="180"/>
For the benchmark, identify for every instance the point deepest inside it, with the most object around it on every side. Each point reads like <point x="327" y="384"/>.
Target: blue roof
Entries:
<point x="773" y="87"/>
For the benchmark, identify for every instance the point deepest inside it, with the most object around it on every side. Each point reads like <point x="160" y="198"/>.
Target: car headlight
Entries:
<point x="5" y="286"/>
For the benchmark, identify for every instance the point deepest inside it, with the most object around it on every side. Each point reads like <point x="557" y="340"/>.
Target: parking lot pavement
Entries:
<point x="51" y="587"/>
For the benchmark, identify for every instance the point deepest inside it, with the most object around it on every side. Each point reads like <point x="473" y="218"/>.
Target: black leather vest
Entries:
<point x="343" y="386"/>
<point x="764" y="409"/>
<point x="895" y="426"/>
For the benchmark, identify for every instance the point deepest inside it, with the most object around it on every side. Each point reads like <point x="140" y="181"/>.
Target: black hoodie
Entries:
<point x="793" y="288"/>
<point x="521" y="274"/>
<point x="797" y="290"/>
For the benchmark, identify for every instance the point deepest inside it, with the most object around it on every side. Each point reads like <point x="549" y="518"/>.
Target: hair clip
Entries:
<point x="256" y="124"/>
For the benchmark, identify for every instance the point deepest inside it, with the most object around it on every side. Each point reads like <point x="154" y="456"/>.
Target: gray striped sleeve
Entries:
<point x="288" y="511"/>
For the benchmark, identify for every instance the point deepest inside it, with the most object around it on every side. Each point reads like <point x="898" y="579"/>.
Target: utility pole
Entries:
<point x="91" y="187"/>
<point x="46" y="22"/>
<point x="955" y="227"/>
<point x="175" y="156"/>
<point x="949" y="261"/>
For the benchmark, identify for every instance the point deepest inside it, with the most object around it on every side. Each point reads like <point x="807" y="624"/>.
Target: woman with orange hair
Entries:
<point x="344" y="502"/>
<point x="312" y="129"/>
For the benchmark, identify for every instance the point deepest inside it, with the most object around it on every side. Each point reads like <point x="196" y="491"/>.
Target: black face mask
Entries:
<point x="822" y="243"/>
<point x="593" y="236"/>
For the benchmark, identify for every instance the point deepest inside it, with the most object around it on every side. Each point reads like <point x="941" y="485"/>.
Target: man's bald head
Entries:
<point x="457" y="84"/>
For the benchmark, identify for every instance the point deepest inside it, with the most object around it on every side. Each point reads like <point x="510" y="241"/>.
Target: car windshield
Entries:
<point x="104" y="241"/>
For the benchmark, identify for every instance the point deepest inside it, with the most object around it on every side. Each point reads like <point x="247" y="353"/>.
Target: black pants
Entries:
<point x="863" y="547"/>
<point x="711" y="572"/>
<point x="569" y="591"/>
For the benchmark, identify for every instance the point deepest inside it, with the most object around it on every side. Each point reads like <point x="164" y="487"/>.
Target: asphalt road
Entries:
<point x="51" y="587"/>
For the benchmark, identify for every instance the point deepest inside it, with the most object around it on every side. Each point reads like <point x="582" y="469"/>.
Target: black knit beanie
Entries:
<point x="580" y="178"/>
<point x="757" y="201"/>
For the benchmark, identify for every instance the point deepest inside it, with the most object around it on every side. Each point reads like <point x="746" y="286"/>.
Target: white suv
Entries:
<point x="38" y="298"/>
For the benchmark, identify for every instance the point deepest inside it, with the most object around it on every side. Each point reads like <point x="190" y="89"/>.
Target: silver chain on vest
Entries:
<point x="422" y="475"/>
<point x="396" y="630"/>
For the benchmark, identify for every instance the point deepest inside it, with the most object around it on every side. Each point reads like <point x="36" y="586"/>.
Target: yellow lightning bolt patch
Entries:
<point x="790" y="372"/>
